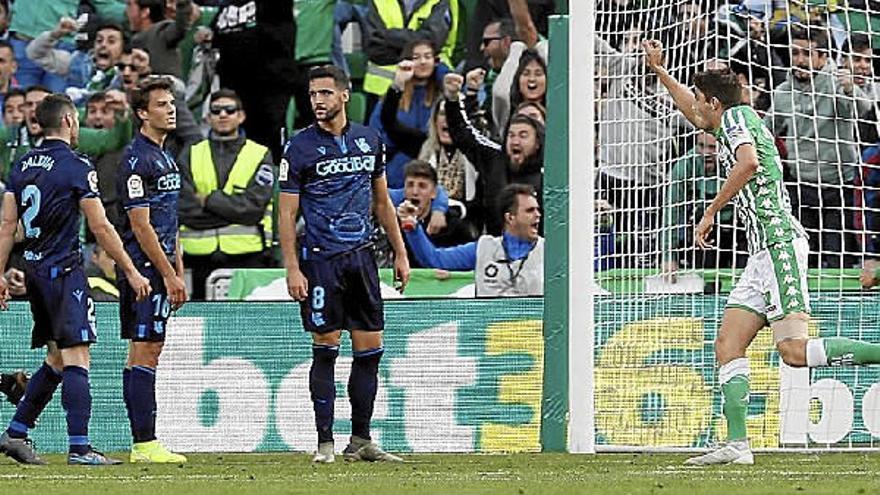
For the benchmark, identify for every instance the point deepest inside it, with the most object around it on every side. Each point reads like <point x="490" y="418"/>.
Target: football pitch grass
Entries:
<point x="606" y="474"/>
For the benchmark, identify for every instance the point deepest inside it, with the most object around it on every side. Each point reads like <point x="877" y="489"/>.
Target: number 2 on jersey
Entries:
<point x="31" y="194"/>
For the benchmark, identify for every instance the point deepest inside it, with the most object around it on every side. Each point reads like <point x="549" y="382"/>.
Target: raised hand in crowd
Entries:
<point x="65" y="26"/>
<point x="404" y="74"/>
<point x="452" y="84"/>
<point x="475" y="78"/>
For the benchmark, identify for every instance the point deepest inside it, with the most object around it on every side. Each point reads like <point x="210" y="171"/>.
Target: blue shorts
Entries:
<point x="344" y="293"/>
<point x="143" y="321"/>
<point x="62" y="308"/>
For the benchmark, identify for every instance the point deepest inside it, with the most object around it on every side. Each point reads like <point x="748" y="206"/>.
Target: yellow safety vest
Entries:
<point x="232" y="239"/>
<point x="379" y="77"/>
<point x="104" y="286"/>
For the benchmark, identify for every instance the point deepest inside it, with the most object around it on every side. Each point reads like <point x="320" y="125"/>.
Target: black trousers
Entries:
<point x="828" y="214"/>
<point x="202" y="266"/>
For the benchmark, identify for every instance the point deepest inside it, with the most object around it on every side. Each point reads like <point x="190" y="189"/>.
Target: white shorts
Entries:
<point x="774" y="283"/>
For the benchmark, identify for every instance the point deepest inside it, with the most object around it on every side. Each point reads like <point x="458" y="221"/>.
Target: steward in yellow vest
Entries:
<point x="226" y="190"/>
<point x="390" y="29"/>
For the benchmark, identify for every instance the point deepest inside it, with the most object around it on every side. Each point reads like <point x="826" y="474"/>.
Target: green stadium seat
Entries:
<point x="290" y="115"/>
<point x="357" y="107"/>
<point x="357" y="66"/>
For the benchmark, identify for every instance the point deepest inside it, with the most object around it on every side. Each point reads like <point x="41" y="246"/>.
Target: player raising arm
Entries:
<point x="777" y="244"/>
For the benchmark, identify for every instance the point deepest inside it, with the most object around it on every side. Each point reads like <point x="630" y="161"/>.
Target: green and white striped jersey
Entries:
<point x="763" y="204"/>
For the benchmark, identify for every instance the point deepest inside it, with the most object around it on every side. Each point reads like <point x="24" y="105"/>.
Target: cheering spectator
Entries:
<point x="391" y="26"/>
<point x="160" y="36"/>
<point x="7" y="69"/>
<point x="224" y="196"/>
<point x="814" y="112"/>
<point x="90" y="71"/>
<point x="489" y="12"/>
<point x="511" y="264"/>
<point x="519" y="160"/>
<point x="403" y="116"/>
<point x="858" y="60"/>
<point x="103" y="110"/>
<point x="13" y="108"/>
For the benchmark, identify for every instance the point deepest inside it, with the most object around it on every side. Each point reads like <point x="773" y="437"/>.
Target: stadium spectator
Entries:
<point x="103" y="110"/>
<point x="694" y="182"/>
<point x="101" y="275"/>
<point x="858" y="58"/>
<point x="519" y="160"/>
<point x="489" y="12"/>
<point x="511" y="264"/>
<point x="134" y="63"/>
<point x="157" y="35"/>
<point x="523" y="77"/>
<point x="532" y="109"/>
<point x="314" y="46"/>
<point x="4" y="20"/>
<point x="345" y="13"/>
<point x="257" y="43"/>
<point x="495" y="47"/>
<point x="13" y="107"/>
<point x="90" y="71"/>
<point x="224" y="198"/>
<point x="7" y="70"/>
<point x="815" y="113"/>
<point x="391" y="26"/>
<point x="403" y="116"/>
<point x="455" y="173"/>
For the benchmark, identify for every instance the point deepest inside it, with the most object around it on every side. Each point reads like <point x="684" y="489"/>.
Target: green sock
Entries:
<point x="841" y="350"/>
<point x="736" y="405"/>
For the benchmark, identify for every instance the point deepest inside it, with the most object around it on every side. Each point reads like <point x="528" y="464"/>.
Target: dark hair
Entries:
<point x="51" y="110"/>
<point x="157" y="9"/>
<point x="6" y="44"/>
<point x="815" y="34"/>
<point x="857" y="42"/>
<point x="721" y="84"/>
<point x="527" y="57"/>
<point x="420" y="168"/>
<point x="541" y="108"/>
<point x="140" y="97"/>
<point x="506" y="27"/>
<point x="225" y="93"/>
<point x="14" y="92"/>
<point x="508" y="198"/>
<point x="338" y="75"/>
<point x="95" y="97"/>
<point x="410" y="47"/>
<point x="111" y="25"/>
<point x="35" y="88"/>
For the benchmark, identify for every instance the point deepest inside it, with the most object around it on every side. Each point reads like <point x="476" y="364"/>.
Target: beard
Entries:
<point x="329" y="114"/>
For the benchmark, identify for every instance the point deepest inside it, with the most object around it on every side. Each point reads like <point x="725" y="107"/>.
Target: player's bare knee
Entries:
<point x="362" y="340"/>
<point x="793" y="351"/>
<point x="727" y="348"/>
<point x="145" y="354"/>
<point x="329" y="338"/>
<point x="790" y="336"/>
<point x="53" y="358"/>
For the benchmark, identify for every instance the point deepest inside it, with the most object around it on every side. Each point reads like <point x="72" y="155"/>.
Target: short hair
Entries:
<point x="225" y="93"/>
<point x="111" y="25"/>
<point x="95" y="97"/>
<point x="541" y="108"/>
<point x="6" y="44"/>
<point x="721" y="84"/>
<point x="508" y="198"/>
<point x="13" y="92"/>
<point x="857" y="42"/>
<point x="140" y="97"/>
<point x="420" y="168"/>
<point x="37" y="88"/>
<point x="506" y="27"/>
<point x="814" y="34"/>
<point x="540" y="131"/>
<point x="324" y="71"/>
<point x="157" y="9"/>
<point x="51" y="110"/>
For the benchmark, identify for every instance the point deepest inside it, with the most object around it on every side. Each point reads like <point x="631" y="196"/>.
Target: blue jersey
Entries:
<point x="48" y="183"/>
<point x="333" y="176"/>
<point x="149" y="178"/>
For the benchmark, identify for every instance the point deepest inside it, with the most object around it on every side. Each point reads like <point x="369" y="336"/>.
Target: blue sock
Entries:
<point x="142" y="396"/>
<point x="362" y="384"/>
<point x="77" y="401"/>
<point x="322" y="385"/>
<point x="37" y="394"/>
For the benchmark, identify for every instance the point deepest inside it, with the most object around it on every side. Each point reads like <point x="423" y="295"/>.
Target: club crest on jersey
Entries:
<point x="135" y="187"/>
<point x="362" y="145"/>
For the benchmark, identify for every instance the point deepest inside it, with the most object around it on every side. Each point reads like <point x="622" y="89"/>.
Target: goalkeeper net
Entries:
<point x="808" y="69"/>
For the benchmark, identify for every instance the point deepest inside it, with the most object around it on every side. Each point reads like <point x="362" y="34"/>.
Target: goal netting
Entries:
<point x="662" y="298"/>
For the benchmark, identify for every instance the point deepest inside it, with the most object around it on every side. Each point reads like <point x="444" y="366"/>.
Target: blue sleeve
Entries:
<point x="457" y="258"/>
<point x="84" y="180"/>
<point x="381" y="153"/>
<point x="290" y="170"/>
<point x="134" y="177"/>
<point x="440" y="71"/>
<point x="397" y="196"/>
<point x="441" y="202"/>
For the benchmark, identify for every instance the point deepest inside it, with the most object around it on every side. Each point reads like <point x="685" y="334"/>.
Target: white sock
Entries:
<point x="739" y="366"/>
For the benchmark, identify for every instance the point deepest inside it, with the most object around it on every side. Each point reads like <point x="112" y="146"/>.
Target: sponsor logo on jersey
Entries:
<point x="346" y="165"/>
<point x="93" y="181"/>
<point x="135" y="187"/>
<point x="168" y="182"/>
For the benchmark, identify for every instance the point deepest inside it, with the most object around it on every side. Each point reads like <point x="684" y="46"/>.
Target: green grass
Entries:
<point x="608" y="474"/>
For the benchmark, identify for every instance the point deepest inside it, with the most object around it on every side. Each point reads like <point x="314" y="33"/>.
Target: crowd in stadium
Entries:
<point x="240" y="69"/>
<point x="808" y="68"/>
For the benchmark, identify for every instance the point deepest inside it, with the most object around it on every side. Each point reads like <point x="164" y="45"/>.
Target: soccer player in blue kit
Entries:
<point x="335" y="169"/>
<point x="48" y="187"/>
<point x="149" y="184"/>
